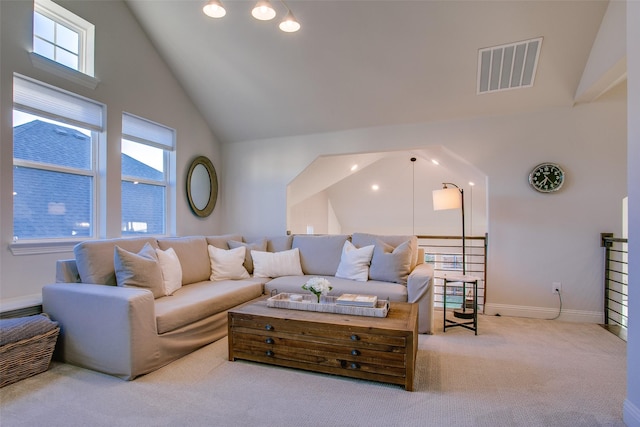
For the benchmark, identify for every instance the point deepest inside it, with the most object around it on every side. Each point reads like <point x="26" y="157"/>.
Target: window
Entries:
<point x="55" y="135"/>
<point x="63" y="37"/>
<point x="147" y="159"/>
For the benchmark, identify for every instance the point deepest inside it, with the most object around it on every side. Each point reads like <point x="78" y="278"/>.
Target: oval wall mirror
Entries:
<point x="202" y="186"/>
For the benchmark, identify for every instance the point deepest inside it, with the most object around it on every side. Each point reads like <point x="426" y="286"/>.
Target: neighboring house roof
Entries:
<point x="54" y="204"/>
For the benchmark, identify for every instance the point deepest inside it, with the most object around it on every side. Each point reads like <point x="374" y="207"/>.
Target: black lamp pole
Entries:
<point x="464" y="251"/>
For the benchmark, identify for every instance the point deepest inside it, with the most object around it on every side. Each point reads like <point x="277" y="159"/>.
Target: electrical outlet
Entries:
<point x="556" y="287"/>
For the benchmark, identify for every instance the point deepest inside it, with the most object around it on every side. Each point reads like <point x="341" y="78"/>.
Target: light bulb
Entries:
<point x="263" y="11"/>
<point x="214" y="9"/>
<point x="289" y="24"/>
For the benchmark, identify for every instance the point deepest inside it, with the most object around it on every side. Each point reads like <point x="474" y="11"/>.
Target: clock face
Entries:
<point x="546" y="177"/>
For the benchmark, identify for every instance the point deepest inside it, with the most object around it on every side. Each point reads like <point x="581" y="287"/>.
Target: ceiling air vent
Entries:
<point x="509" y="66"/>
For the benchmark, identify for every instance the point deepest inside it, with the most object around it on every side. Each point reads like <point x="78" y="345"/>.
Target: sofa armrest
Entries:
<point x="420" y="290"/>
<point x="106" y="328"/>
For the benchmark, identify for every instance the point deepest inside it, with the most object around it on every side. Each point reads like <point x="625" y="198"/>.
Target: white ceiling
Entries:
<point x="363" y="63"/>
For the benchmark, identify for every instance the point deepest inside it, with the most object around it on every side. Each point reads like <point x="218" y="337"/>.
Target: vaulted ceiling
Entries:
<point x="362" y="63"/>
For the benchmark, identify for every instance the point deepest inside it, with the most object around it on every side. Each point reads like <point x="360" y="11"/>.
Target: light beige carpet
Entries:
<point x="516" y="372"/>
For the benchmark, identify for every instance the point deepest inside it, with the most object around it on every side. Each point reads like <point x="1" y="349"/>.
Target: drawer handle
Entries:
<point x="355" y="352"/>
<point x="268" y="327"/>
<point x="269" y="341"/>
<point x="354" y="337"/>
<point x="354" y="365"/>
<point x="269" y="353"/>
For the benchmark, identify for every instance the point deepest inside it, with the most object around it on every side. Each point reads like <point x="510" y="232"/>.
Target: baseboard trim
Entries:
<point x="630" y="414"/>
<point x="543" y="313"/>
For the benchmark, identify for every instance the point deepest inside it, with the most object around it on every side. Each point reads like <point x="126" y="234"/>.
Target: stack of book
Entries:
<point x="357" y="300"/>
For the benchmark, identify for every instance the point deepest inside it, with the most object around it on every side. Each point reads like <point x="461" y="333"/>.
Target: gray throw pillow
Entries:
<point x="390" y="264"/>
<point x="256" y="246"/>
<point x="139" y="270"/>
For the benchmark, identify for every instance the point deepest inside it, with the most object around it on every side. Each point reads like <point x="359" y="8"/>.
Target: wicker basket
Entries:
<point x="31" y="356"/>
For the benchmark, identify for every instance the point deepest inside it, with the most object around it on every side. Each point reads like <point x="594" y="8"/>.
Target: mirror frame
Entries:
<point x="213" y="185"/>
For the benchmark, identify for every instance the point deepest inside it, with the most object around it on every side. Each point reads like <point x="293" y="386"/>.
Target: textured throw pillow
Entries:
<point x="227" y="264"/>
<point x="256" y="246"/>
<point x="171" y="270"/>
<point x="276" y="264"/>
<point x="354" y="262"/>
<point x="390" y="264"/>
<point x="139" y="270"/>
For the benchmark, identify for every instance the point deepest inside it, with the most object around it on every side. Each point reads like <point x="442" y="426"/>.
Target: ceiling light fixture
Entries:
<point x="214" y="9"/>
<point x="289" y="24"/>
<point x="263" y="11"/>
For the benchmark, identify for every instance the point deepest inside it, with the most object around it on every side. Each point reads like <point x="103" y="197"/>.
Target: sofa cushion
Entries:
<point x="354" y="262"/>
<point x="320" y="255"/>
<point x="227" y="264"/>
<point x="94" y="258"/>
<point x="383" y="290"/>
<point x="390" y="264"/>
<point x="279" y="243"/>
<point x="253" y="246"/>
<point x="193" y="255"/>
<point x="364" y="239"/>
<point x="139" y="270"/>
<point x="171" y="270"/>
<point x="202" y="299"/>
<point x="275" y="264"/>
<point x="221" y="241"/>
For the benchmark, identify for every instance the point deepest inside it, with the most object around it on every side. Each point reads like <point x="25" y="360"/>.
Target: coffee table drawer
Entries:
<point x="344" y="334"/>
<point x="316" y="349"/>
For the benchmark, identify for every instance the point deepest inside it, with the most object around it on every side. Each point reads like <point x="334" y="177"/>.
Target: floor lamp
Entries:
<point x="452" y="198"/>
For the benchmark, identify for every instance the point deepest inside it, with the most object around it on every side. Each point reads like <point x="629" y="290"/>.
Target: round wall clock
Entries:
<point x="546" y="177"/>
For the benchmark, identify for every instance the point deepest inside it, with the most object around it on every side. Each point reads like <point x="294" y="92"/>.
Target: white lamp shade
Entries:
<point x="263" y="11"/>
<point x="214" y="9"/>
<point x="289" y="24"/>
<point x="447" y="198"/>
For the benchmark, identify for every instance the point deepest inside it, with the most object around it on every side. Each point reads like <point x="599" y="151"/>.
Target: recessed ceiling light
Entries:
<point x="435" y="162"/>
<point x="471" y="183"/>
<point x="375" y="187"/>
<point x="353" y="168"/>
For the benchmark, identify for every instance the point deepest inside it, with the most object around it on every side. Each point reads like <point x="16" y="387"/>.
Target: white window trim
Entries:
<point x="86" y="57"/>
<point x="57" y="69"/>
<point x="60" y="245"/>
<point x="135" y="133"/>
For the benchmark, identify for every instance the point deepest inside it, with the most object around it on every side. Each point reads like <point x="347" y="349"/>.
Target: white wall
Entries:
<point x="133" y="78"/>
<point x="312" y="212"/>
<point x="534" y="239"/>
<point x="632" y="403"/>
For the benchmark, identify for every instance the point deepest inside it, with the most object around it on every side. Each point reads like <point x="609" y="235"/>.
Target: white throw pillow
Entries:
<point x="227" y="264"/>
<point x="276" y="264"/>
<point x="354" y="262"/>
<point x="171" y="270"/>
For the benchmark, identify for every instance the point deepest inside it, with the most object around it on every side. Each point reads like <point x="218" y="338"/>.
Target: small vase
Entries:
<point x="318" y="297"/>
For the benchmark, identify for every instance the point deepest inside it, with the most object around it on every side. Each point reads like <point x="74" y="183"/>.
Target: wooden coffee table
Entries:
<point x="370" y="348"/>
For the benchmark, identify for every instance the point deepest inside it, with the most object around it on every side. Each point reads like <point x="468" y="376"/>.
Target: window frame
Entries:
<point x="85" y="74"/>
<point x="27" y="246"/>
<point x="139" y="130"/>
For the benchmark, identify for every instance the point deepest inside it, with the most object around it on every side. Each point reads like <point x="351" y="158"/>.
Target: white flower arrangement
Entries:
<point x="318" y="286"/>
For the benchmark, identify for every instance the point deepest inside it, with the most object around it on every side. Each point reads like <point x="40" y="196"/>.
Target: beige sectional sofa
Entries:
<point x="131" y="305"/>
